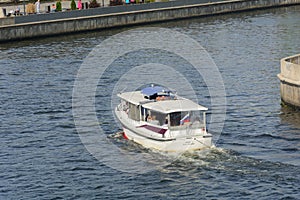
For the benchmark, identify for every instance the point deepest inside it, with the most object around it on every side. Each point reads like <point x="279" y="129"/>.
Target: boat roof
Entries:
<point x="165" y="106"/>
<point x="148" y="91"/>
<point x="135" y="97"/>
<point x="170" y="106"/>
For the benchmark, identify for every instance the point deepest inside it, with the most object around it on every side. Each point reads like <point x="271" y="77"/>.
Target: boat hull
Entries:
<point x="173" y="145"/>
<point x="161" y="138"/>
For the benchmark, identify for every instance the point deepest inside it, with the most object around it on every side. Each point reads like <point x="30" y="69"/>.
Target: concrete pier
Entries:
<point x="32" y="26"/>
<point x="290" y="80"/>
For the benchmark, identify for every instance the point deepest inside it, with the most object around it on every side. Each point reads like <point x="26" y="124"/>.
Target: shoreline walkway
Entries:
<point x="43" y="6"/>
<point x="51" y="24"/>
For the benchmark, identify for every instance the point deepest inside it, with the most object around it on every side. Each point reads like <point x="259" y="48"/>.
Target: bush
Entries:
<point x="94" y="4"/>
<point x="73" y="5"/>
<point x="30" y="8"/>
<point x="58" y="6"/>
<point x="115" y="2"/>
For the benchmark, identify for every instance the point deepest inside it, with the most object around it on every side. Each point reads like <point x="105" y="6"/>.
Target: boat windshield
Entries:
<point x="153" y="117"/>
<point x="186" y="118"/>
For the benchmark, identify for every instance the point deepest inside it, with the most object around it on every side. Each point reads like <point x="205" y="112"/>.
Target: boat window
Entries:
<point x="186" y="118"/>
<point x="176" y="117"/>
<point x="133" y="112"/>
<point x="124" y="105"/>
<point x="154" y="117"/>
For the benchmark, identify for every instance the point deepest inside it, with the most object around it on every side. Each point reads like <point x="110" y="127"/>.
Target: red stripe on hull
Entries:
<point x="125" y="136"/>
<point x="154" y="129"/>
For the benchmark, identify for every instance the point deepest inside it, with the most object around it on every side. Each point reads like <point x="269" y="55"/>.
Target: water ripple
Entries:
<point x="257" y="155"/>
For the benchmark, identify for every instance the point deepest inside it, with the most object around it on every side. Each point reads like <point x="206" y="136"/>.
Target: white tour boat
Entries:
<point x="157" y="118"/>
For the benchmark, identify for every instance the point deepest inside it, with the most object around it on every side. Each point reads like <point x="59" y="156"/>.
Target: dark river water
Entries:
<point x="257" y="155"/>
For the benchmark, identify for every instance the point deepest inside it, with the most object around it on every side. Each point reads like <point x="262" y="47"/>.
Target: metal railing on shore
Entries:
<point x="101" y="10"/>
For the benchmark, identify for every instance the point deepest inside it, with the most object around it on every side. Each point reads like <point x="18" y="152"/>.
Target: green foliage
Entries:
<point x="73" y="5"/>
<point x="94" y="4"/>
<point x="58" y="6"/>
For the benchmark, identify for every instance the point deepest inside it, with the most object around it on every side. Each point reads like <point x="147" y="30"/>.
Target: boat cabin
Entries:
<point x="160" y="107"/>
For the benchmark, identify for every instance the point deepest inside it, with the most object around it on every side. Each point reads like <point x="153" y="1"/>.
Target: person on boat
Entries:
<point x="160" y="98"/>
<point x="148" y="118"/>
<point x="166" y="122"/>
<point x="152" y="119"/>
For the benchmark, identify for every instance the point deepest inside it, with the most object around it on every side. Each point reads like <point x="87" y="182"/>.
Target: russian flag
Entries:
<point x="185" y="119"/>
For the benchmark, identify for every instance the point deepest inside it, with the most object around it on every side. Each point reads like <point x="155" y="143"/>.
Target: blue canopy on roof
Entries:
<point x="149" y="91"/>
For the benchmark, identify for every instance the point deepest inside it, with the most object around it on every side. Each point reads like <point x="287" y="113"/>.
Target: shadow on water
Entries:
<point x="93" y="36"/>
<point x="290" y="116"/>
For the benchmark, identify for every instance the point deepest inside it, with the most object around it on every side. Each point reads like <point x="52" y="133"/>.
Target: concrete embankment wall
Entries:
<point x="7" y="21"/>
<point x="290" y="80"/>
<point x="76" y="21"/>
<point x="108" y="10"/>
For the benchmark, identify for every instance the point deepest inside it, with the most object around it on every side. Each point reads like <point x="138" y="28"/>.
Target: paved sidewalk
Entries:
<point x="43" y="7"/>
